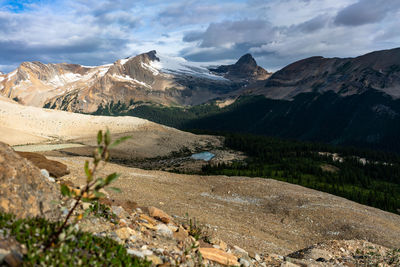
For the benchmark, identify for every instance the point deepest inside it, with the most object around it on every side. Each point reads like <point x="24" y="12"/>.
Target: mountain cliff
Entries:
<point x="245" y="69"/>
<point x="148" y="77"/>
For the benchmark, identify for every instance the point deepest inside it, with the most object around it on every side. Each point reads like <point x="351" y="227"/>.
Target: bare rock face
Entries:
<point x="23" y="190"/>
<point x="245" y="69"/>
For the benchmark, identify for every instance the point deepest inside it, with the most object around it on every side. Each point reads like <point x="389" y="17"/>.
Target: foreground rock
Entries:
<point x="56" y="169"/>
<point x="23" y="189"/>
<point x="11" y="252"/>
<point x="140" y="233"/>
<point x="346" y="253"/>
<point x="219" y="256"/>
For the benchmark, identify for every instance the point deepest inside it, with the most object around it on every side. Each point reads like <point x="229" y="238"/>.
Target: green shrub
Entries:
<point x="79" y="248"/>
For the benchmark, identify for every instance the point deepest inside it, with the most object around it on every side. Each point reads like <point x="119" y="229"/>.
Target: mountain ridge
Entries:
<point x="148" y="77"/>
<point x="379" y="70"/>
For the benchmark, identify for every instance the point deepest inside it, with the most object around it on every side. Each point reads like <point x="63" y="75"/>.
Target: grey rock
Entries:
<point x="136" y="253"/>
<point x="147" y="252"/>
<point x="46" y="175"/>
<point x="3" y="253"/>
<point x="163" y="230"/>
<point x="244" y="262"/>
<point x="119" y="211"/>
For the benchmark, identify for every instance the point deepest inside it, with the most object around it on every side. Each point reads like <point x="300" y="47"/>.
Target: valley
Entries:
<point x="200" y="133"/>
<point x="259" y="188"/>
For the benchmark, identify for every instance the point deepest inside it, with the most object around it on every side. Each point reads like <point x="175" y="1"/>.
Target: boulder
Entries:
<point x="163" y="230"/>
<point x="125" y="233"/>
<point x="219" y="256"/>
<point x="159" y="215"/>
<point x="181" y="234"/>
<point x="11" y="252"/>
<point x="23" y="189"/>
<point x="56" y="169"/>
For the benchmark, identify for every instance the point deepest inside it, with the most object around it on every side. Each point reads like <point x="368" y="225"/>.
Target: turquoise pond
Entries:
<point x="206" y="156"/>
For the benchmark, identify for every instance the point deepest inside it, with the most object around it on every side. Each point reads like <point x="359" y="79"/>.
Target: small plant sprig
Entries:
<point x="100" y="210"/>
<point x="196" y="230"/>
<point x="91" y="191"/>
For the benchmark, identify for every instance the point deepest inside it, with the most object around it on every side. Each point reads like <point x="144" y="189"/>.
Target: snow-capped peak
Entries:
<point x="179" y="65"/>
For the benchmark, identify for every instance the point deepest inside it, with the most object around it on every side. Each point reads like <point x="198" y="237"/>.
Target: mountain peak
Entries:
<point x="244" y="69"/>
<point x="246" y="59"/>
<point x="152" y="55"/>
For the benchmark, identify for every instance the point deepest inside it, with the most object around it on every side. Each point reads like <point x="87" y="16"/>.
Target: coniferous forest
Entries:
<point x="367" y="177"/>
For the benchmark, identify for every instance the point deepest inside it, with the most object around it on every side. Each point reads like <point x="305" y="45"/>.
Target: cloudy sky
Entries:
<point x="276" y="32"/>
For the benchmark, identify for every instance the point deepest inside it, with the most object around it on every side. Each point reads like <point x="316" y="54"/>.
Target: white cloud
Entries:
<point x="277" y="32"/>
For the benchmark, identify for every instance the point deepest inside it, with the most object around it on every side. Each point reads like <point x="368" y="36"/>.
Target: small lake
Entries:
<point x="206" y="156"/>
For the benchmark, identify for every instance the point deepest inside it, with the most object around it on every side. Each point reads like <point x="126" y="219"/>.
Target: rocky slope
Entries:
<point x="276" y="218"/>
<point x="150" y="233"/>
<point x="148" y="77"/>
<point x="379" y="70"/>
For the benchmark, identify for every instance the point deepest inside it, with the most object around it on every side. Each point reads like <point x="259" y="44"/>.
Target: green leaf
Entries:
<point x="87" y="200"/>
<point x="99" y="194"/>
<point x="111" y="178"/>
<point x="119" y="141"/>
<point x="87" y="171"/>
<point x="115" y="189"/>
<point x="107" y="137"/>
<point x="99" y="137"/>
<point x="65" y="190"/>
<point x="99" y="184"/>
<point x="86" y="213"/>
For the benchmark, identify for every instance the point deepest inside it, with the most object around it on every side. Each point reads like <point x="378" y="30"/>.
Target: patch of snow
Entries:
<point x="151" y="68"/>
<point x="125" y="78"/>
<point x="142" y="83"/>
<point x="123" y="61"/>
<point x="180" y="65"/>
<point x="11" y="74"/>
<point x="1" y="79"/>
<point x="129" y="79"/>
<point x="103" y="71"/>
<point x="61" y="80"/>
